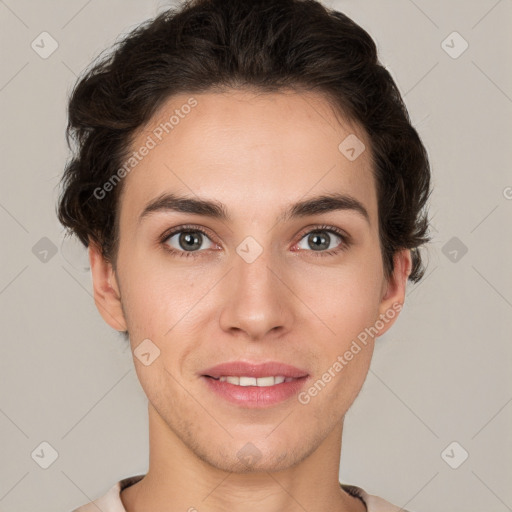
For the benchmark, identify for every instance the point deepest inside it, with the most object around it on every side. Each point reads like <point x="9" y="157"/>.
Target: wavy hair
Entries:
<point x="265" y="45"/>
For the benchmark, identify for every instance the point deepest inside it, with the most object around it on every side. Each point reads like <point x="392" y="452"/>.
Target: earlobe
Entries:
<point x="107" y="296"/>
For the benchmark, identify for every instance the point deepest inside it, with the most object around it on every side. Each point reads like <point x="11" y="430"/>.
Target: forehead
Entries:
<point x="253" y="151"/>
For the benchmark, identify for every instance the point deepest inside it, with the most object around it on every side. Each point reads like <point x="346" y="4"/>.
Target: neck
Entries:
<point x="180" y="479"/>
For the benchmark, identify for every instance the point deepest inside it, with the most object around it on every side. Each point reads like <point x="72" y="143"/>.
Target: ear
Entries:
<point x="393" y="290"/>
<point x="106" y="289"/>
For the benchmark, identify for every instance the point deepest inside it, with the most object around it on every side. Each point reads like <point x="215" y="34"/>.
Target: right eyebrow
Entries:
<point x="173" y="202"/>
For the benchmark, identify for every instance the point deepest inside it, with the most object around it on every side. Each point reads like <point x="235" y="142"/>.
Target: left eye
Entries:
<point x="320" y="240"/>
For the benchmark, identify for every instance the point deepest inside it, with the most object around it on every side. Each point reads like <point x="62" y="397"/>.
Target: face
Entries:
<point x="263" y="283"/>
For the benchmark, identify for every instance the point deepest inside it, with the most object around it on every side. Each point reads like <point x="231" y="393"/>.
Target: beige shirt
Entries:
<point x="111" y="501"/>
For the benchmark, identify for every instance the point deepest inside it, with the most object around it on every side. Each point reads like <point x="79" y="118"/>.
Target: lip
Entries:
<point x="241" y="368"/>
<point x="254" y="397"/>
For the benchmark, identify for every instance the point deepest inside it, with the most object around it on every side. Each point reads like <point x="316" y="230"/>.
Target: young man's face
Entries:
<point x="258" y="286"/>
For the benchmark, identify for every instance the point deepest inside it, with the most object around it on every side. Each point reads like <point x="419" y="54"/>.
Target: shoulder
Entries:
<point x="111" y="501"/>
<point x="373" y="503"/>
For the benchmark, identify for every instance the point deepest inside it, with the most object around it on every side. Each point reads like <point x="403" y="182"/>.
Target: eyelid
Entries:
<point x="325" y="227"/>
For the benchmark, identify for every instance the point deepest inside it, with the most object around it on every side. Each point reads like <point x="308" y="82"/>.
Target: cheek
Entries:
<point x="345" y="299"/>
<point x="345" y="352"/>
<point x="345" y="302"/>
<point x="169" y="306"/>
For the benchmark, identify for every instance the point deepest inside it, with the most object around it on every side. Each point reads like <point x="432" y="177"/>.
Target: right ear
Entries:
<point x="106" y="289"/>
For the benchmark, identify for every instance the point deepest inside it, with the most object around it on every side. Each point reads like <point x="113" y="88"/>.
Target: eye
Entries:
<point x="319" y="240"/>
<point x="185" y="240"/>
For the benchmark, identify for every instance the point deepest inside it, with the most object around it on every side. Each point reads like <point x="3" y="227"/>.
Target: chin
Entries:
<point x="258" y="457"/>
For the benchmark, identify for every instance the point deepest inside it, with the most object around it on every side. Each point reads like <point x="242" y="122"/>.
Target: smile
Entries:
<point x="253" y="381"/>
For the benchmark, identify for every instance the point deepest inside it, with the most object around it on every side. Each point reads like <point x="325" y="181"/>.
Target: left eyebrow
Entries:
<point x="323" y="204"/>
<point x="216" y="210"/>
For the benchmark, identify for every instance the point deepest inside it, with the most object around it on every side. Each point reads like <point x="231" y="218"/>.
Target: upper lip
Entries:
<point x="244" y="368"/>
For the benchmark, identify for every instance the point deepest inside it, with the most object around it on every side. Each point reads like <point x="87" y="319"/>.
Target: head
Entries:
<point x="237" y="110"/>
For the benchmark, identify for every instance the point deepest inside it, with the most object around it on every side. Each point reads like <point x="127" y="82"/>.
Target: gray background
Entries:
<point x="441" y="375"/>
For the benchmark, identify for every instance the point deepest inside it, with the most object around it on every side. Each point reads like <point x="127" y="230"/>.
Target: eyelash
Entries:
<point x="191" y="228"/>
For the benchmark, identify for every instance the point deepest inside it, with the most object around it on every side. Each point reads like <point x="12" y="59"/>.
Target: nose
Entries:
<point x="258" y="300"/>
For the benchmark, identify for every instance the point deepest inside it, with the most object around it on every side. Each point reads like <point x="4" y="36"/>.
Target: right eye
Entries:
<point x="185" y="240"/>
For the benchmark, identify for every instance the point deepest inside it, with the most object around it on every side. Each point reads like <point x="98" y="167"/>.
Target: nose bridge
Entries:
<point x="252" y="267"/>
<point x="257" y="300"/>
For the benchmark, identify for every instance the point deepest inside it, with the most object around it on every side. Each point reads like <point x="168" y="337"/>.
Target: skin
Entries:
<point x="257" y="154"/>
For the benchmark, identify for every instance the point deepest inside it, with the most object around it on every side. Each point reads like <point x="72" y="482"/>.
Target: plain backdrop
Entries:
<point x="440" y="384"/>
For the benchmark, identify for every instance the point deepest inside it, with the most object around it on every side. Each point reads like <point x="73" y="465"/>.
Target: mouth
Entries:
<point x="254" y="385"/>
<point x="249" y="385"/>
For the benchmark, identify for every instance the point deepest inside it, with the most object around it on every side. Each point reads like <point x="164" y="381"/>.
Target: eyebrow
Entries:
<point x="216" y="210"/>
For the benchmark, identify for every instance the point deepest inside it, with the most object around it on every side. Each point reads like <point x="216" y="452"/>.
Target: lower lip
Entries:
<point x="254" y="396"/>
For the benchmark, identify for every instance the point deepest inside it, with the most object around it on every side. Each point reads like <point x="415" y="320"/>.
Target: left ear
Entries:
<point x="393" y="290"/>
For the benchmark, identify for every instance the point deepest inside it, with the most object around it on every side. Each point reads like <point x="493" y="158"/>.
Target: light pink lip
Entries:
<point x="244" y="368"/>
<point x="254" y="397"/>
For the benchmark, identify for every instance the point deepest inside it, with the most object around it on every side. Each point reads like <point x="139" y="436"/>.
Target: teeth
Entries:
<point x="253" y="381"/>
